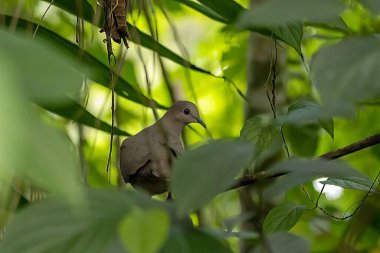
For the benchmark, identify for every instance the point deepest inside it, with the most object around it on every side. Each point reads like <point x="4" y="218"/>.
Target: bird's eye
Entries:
<point x="186" y="111"/>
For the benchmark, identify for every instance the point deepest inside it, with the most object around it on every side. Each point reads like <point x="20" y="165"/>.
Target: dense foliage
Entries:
<point x="260" y="179"/>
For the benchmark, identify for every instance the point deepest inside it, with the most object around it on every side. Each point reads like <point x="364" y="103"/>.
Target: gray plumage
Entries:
<point x="146" y="158"/>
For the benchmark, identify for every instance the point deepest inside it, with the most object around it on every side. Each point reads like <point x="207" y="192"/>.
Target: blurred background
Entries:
<point x="55" y="101"/>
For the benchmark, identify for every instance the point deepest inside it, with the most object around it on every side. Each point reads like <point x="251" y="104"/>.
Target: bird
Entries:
<point x="146" y="158"/>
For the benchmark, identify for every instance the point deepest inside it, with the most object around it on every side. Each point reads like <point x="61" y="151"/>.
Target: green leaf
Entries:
<point x="304" y="112"/>
<point x="337" y="24"/>
<point x="144" y="231"/>
<point x="189" y="240"/>
<point x="328" y="126"/>
<point x="200" y="174"/>
<point x="44" y="76"/>
<point x="283" y="217"/>
<point x="65" y="229"/>
<point x="74" y="111"/>
<point x="280" y="12"/>
<point x="228" y="9"/>
<point x="137" y="36"/>
<point x="372" y="5"/>
<point x="308" y="113"/>
<point x="203" y="9"/>
<point x="348" y="77"/>
<point x="303" y="140"/>
<point x="291" y="34"/>
<point x="362" y="183"/>
<point x="30" y="148"/>
<point x="71" y="6"/>
<point x="260" y="131"/>
<point x="90" y="66"/>
<point x="284" y="242"/>
<point x="297" y="172"/>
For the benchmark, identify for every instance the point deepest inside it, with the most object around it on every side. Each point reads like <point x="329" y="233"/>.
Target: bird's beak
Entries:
<point x="200" y="122"/>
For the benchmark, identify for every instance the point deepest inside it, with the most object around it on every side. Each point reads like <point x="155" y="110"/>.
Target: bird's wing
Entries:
<point x="133" y="155"/>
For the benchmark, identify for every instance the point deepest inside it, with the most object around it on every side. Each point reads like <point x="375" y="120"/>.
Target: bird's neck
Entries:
<point x="171" y="125"/>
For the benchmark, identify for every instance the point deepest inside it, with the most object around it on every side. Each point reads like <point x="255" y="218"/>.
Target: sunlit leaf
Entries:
<point x="283" y="242"/>
<point x="202" y="173"/>
<point x="144" y="231"/>
<point x="280" y="12"/>
<point x="348" y="77"/>
<point x="283" y="217"/>
<point x="363" y="183"/>
<point x="74" y="111"/>
<point x="137" y="36"/>
<point x="230" y="10"/>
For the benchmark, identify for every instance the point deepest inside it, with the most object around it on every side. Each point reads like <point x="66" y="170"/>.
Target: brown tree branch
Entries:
<point x="332" y="155"/>
<point x="365" y="143"/>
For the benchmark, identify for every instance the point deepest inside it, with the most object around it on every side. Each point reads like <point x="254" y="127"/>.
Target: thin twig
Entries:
<point x="42" y="18"/>
<point x="367" y="142"/>
<point x="357" y="208"/>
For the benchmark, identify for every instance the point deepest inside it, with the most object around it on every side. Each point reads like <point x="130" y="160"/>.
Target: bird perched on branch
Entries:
<point x="146" y="158"/>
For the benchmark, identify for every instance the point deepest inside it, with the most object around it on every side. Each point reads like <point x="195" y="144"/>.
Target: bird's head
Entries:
<point x="186" y="112"/>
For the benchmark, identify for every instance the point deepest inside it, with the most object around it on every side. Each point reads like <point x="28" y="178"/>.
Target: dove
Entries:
<point x="146" y="158"/>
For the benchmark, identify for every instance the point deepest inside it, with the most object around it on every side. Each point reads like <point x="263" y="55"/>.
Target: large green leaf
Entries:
<point x="279" y="12"/>
<point x="283" y="242"/>
<point x="137" y="36"/>
<point x="62" y="229"/>
<point x="297" y="172"/>
<point x="43" y="77"/>
<point x="144" y="231"/>
<point x="283" y="217"/>
<point x="90" y="66"/>
<point x="94" y="228"/>
<point x="74" y="111"/>
<point x="202" y="173"/>
<point x="31" y="149"/>
<point x="348" y="77"/>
